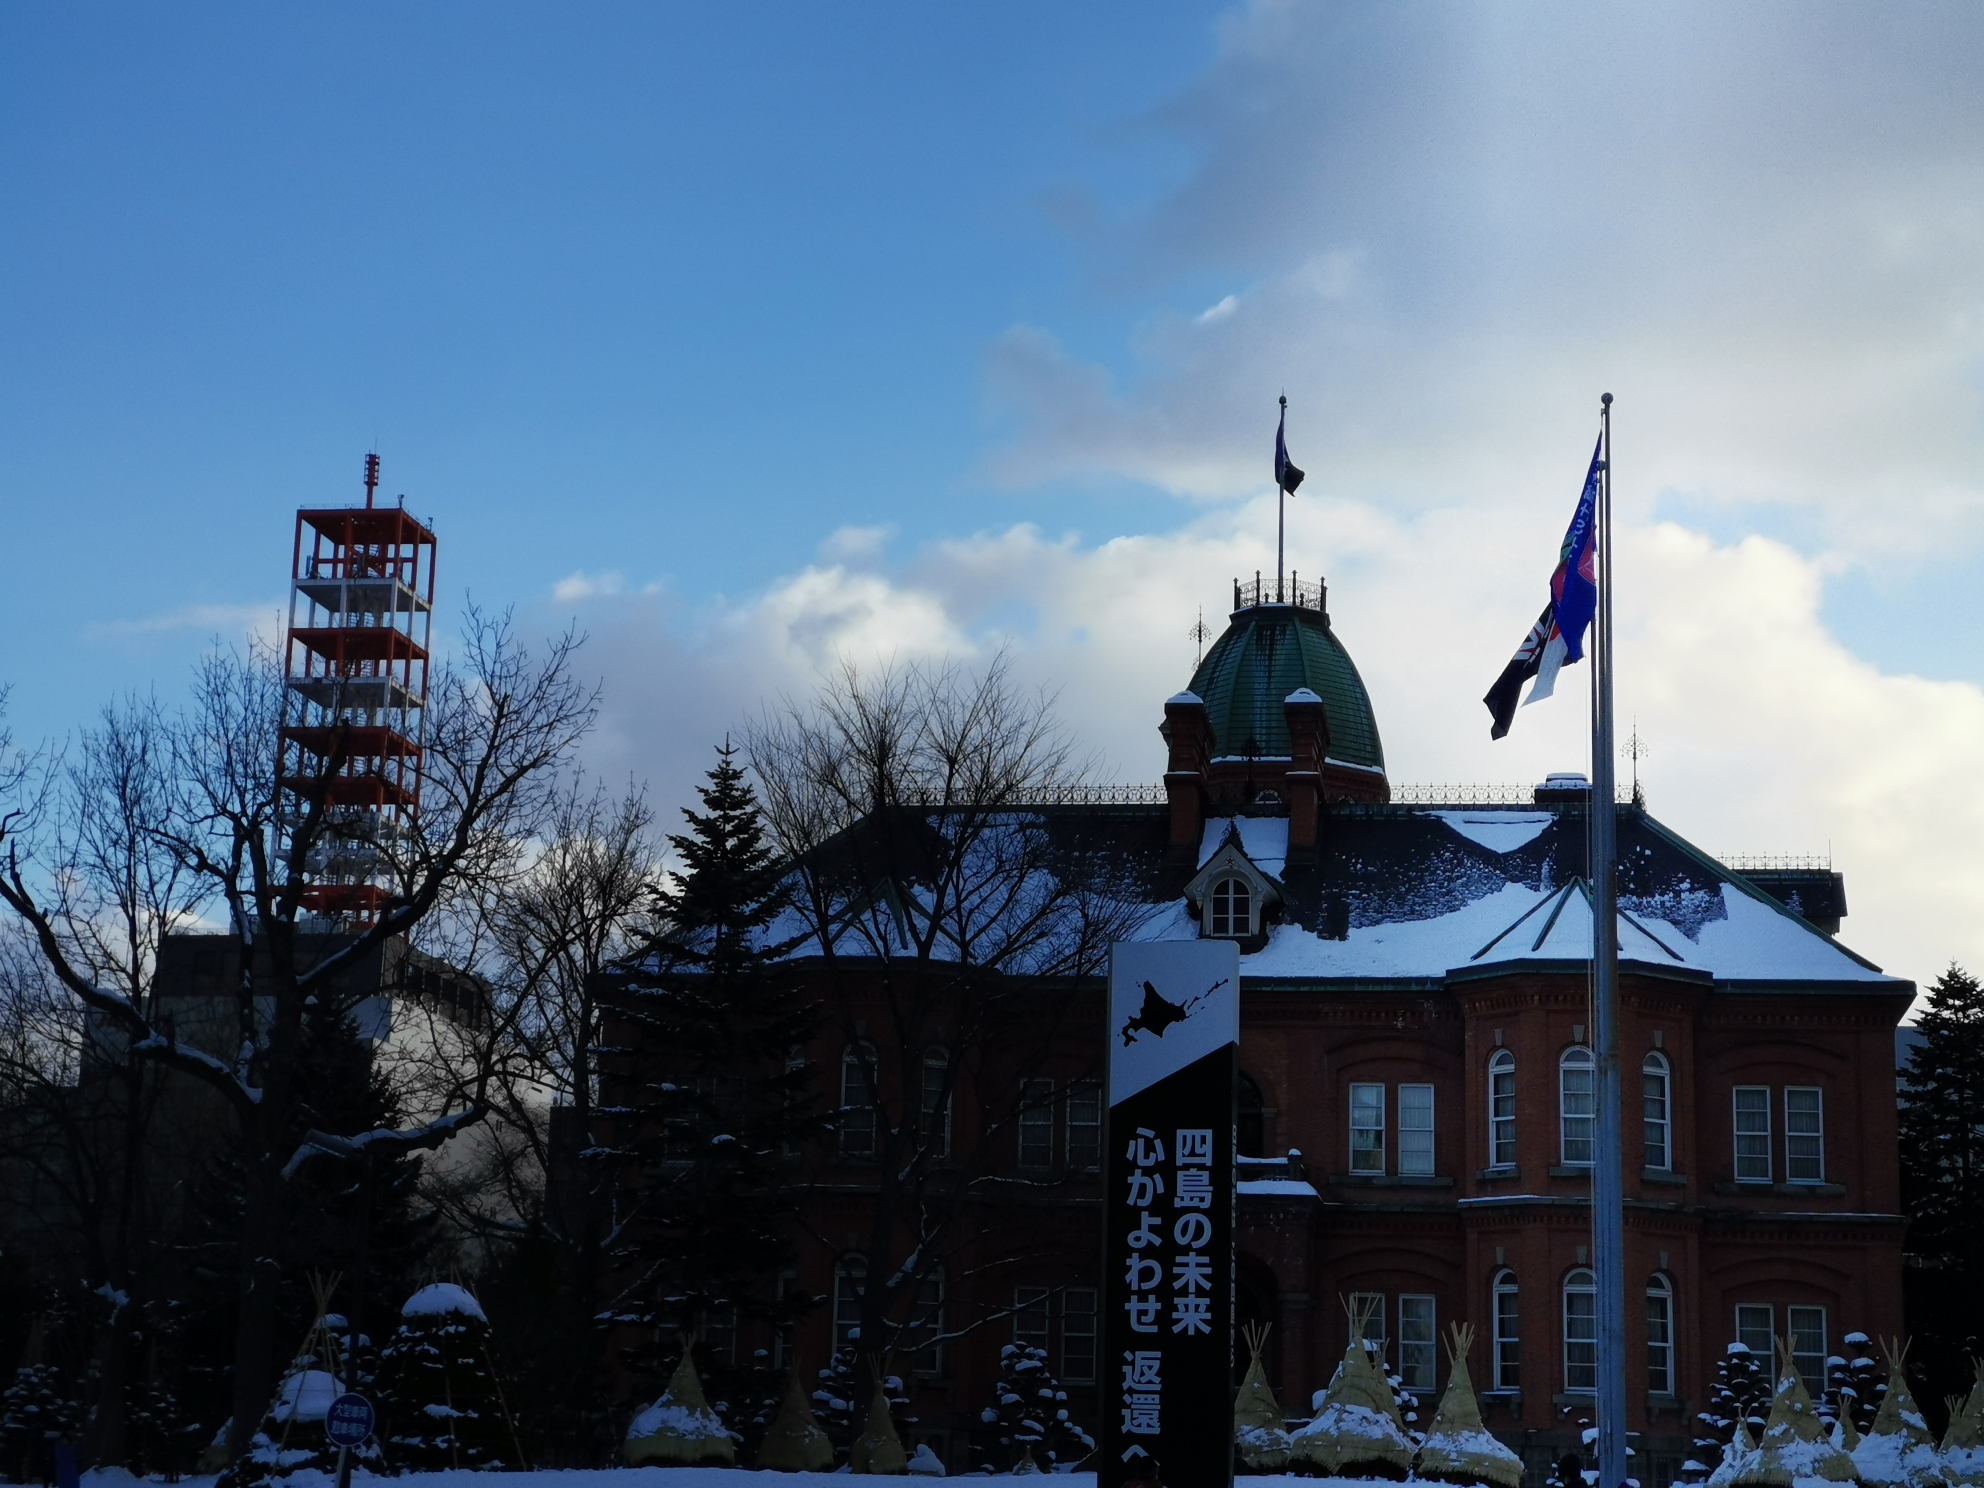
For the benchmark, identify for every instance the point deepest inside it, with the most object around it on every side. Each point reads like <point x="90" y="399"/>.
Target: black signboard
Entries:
<point x="1167" y="1401"/>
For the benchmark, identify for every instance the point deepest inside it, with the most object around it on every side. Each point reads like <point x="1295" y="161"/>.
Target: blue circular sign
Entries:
<point x="349" y="1420"/>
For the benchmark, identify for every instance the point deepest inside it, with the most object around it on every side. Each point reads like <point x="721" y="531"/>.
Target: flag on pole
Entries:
<point x="1286" y="476"/>
<point x="1557" y="638"/>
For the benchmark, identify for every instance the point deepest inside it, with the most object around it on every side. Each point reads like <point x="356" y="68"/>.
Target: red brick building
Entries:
<point x="1416" y="1108"/>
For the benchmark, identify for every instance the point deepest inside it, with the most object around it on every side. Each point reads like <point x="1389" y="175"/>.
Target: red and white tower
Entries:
<point x="360" y="620"/>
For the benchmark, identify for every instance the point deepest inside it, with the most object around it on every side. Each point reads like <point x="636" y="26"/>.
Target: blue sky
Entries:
<point x="699" y="282"/>
<point x="752" y="337"/>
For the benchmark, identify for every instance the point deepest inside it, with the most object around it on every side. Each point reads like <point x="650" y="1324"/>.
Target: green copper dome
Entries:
<point x="1267" y="652"/>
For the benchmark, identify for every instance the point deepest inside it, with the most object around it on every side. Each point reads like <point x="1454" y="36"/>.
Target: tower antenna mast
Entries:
<point x="371" y="479"/>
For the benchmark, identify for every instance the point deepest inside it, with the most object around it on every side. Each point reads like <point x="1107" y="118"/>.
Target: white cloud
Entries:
<point x="1759" y="226"/>
<point x="575" y="587"/>
<point x="1455" y="227"/>
<point x="1766" y="734"/>
<point x="261" y="623"/>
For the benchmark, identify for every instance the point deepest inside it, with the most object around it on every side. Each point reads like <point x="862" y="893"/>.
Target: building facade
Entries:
<point x="1416" y="1113"/>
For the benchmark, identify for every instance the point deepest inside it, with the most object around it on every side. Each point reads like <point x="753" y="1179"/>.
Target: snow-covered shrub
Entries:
<point x="440" y="1402"/>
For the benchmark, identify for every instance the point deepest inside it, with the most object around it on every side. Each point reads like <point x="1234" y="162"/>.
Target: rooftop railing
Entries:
<point x="1249" y="593"/>
<point x="1776" y="862"/>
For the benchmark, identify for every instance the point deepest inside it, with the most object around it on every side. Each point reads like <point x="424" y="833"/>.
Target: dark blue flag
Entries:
<point x="1286" y="476"/>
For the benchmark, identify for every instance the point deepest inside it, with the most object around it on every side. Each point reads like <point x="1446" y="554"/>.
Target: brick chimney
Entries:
<point x="1188" y="731"/>
<point x="1309" y="744"/>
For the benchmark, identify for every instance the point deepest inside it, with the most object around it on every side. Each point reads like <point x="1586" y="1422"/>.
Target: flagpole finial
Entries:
<point x="1284" y="399"/>
<point x="1605" y="400"/>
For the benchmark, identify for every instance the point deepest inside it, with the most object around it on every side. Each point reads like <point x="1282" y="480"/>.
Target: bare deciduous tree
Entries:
<point x="948" y="910"/>
<point x="500" y="724"/>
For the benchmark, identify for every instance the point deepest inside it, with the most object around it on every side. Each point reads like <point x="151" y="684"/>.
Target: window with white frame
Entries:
<point x="1367" y="1128"/>
<point x="1032" y="1326"/>
<point x="1502" y="1109"/>
<point x="1232" y="908"/>
<point x="1660" y="1336"/>
<point x="1508" y="1333"/>
<point x="850" y="1281"/>
<point x="1577" y="1097"/>
<point x="1752" y="1109"/>
<point x="1657" y="1112"/>
<point x="1418" y="1342"/>
<point x="1084" y="1127"/>
<point x="937" y="1102"/>
<point x="1756" y="1329"/>
<point x="1415" y="1129"/>
<point x="857" y="1103"/>
<point x="1580" y="1332"/>
<point x="1807" y="1329"/>
<point x="1078" y="1335"/>
<point x="1804" y="1134"/>
<point x="1037" y="1124"/>
<point x="920" y="1337"/>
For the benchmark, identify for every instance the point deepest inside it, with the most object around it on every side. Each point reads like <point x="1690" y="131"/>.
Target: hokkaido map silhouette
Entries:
<point x="1159" y="1013"/>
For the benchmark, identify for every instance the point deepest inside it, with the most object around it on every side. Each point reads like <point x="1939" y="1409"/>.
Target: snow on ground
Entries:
<point x="621" y="1477"/>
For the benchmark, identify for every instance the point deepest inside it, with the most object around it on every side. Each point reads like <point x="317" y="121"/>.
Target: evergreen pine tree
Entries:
<point x="1741" y="1391"/>
<point x="720" y="1099"/>
<point x="441" y="1404"/>
<point x="1942" y="1184"/>
<point x="1861" y="1389"/>
<point x="43" y="1404"/>
<point x="841" y="1405"/>
<point x="1030" y="1413"/>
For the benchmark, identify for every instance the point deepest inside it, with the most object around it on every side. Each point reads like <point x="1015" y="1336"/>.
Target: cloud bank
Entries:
<point x="1444" y="231"/>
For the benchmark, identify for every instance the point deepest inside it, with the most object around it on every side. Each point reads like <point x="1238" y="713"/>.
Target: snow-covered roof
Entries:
<point x="443" y="1296"/>
<point x="1406" y="893"/>
<point x="1264" y="839"/>
<point x="1491" y="886"/>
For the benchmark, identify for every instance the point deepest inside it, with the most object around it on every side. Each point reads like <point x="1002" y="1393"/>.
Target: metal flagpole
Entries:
<point x="1280" y="504"/>
<point x="1608" y="1216"/>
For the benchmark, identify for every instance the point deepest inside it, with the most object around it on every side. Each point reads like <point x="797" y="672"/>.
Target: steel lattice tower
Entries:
<point x="353" y="728"/>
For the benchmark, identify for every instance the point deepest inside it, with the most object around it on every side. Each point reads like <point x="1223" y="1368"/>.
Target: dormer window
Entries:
<point x="1232" y="909"/>
<point x="1230" y="897"/>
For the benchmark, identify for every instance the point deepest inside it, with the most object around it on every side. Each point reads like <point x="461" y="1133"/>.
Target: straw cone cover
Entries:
<point x="1796" y="1447"/>
<point x="878" y="1449"/>
<point x="1357" y="1421"/>
<point x="680" y="1427"/>
<point x="795" y="1442"/>
<point x="1259" y="1438"/>
<point x="1458" y="1448"/>
<point x="1897" y="1451"/>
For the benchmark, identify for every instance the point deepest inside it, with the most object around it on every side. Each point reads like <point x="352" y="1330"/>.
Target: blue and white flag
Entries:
<point x="1557" y="638"/>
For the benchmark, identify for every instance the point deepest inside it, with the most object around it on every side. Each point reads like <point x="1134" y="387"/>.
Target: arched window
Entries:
<point x="1659" y="1336"/>
<point x="1508" y="1333"/>
<point x="937" y="1102"/>
<point x="1655" y="1094"/>
<point x="1577" y="1089"/>
<point x="1502" y="1109"/>
<point x="1251" y="1134"/>
<point x="857" y="1102"/>
<point x="1232" y="908"/>
<point x="1580" y="1331"/>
